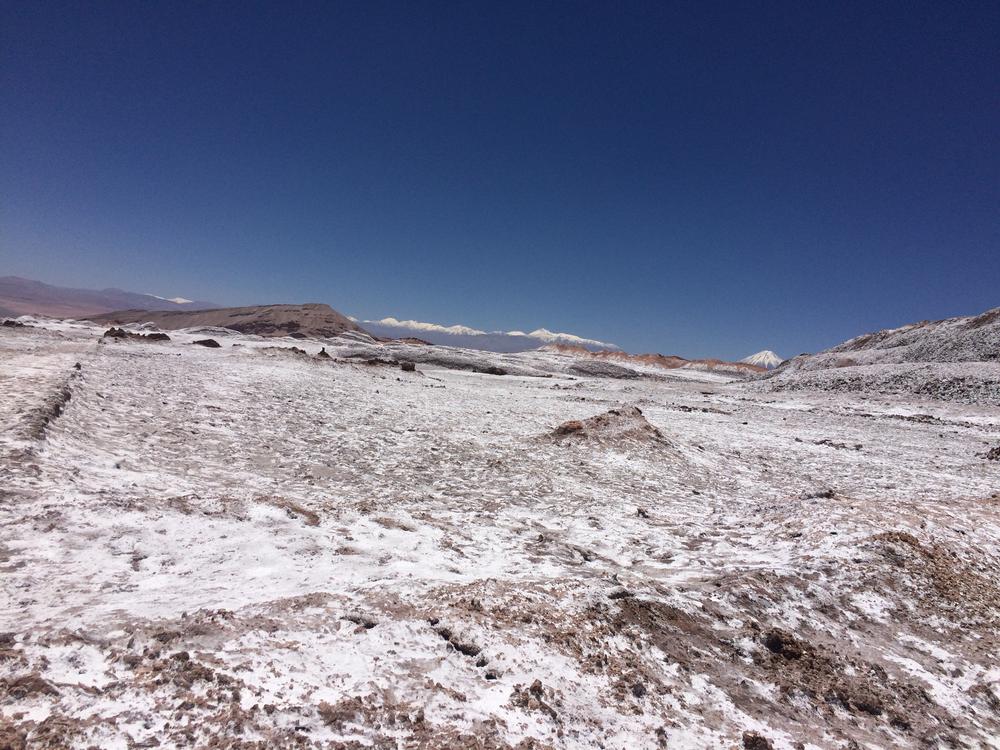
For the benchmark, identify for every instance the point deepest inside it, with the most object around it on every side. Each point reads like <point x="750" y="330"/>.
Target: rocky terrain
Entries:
<point x="332" y="542"/>
<point x="957" y="359"/>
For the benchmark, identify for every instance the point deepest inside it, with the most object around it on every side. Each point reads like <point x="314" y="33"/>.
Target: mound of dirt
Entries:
<point x="625" y="423"/>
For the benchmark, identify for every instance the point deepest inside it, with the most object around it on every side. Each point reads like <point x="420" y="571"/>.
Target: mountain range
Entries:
<point x="20" y="296"/>
<point x="472" y="338"/>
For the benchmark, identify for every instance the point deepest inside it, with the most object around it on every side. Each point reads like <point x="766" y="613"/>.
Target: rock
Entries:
<point x="121" y="333"/>
<point x="490" y="370"/>
<point x="407" y="366"/>
<point x="283" y="351"/>
<point x="825" y="494"/>
<point x="784" y="644"/>
<point x="620" y="593"/>
<point x="322" y="354"/>
<point x="210" y="343"/>
<point x="9" y="323"/>
<point x="993" y="454"/>
<point x="756" y="741"/>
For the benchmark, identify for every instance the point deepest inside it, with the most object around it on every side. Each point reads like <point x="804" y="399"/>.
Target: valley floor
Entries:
<point x="244" y="547"/>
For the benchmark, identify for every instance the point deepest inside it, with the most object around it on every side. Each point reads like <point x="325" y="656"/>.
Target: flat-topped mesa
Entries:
<point x="311" y="320"/>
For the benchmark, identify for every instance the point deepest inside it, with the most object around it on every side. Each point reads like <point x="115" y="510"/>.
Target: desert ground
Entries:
<point x="253" y="546"/>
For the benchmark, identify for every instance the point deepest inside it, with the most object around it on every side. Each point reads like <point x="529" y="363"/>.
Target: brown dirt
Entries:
<point x="935" y="576"/>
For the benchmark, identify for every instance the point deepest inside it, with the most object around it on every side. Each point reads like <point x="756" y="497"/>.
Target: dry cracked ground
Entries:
<point x="247" y="547"/>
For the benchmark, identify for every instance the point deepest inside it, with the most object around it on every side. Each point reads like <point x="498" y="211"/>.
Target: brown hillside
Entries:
<point x="309" y="320"/>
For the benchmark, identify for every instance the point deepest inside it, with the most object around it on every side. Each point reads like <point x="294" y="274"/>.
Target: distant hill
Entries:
<point x="663" y="361"/>
<point x="19" y="296"/>
<point x="956" y="359"/>
<point x="967" y="339"/>
<point x="311" y="320"/>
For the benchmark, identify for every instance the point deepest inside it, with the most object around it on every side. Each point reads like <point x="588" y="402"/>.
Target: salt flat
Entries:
<point x="248" y="547"/>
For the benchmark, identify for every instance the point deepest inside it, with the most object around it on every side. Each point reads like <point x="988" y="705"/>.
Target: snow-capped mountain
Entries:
<point x="766" y="358"/>
<point x="473" y="338"/>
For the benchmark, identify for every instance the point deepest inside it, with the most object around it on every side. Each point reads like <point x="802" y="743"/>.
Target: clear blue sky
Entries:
<point x="698" y="178"/>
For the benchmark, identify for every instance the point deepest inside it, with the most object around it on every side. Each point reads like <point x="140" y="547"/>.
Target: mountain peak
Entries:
<point x="765" y="358"/>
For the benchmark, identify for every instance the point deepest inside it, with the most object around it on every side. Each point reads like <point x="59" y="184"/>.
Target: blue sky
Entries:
<point x="695" y="178"/>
